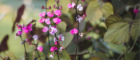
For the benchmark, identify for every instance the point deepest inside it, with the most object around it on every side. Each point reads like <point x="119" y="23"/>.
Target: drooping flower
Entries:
<point x="57" y="12"/>
<point x="61" y="48"/>
<point x="19" y="33"/>
<point x="42" y="14"/>
<point x="73" y="4"/>
<point x="52" y="49"/>
<point x="79" y="18"/>
<point x="79" y="7"/>
<point x="51" y="56"/>
<point x="45" y="29"/>
<point x="35" y="37"/>
<point x="47" y="21"/>
<point x="135" y="11"/>
<point x="60" y="37"/>
<point x="40" y="48"/>
<point x="69" y="6"/>
<point x="57" y="20"/>
<point x="50" y="14"/>
<point x="74" y="31"/>
<point x="52" y="30"/>
<point x="41" y="20"/>
<point x="27" y="28"/>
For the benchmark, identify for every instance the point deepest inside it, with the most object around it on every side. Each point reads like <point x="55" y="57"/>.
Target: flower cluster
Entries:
<point x="79" y="7"/>
<point x="22" y="28"/>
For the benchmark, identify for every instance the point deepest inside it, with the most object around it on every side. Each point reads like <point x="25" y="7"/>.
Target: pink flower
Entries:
<point x="73" y="4"/>
<point x="55" y="42"/>
<point x="82" y="0"/>
<point x="135" y="10"/>
<point x="19" y="33"/>
<point x="53" y="30"/>
<point x="27" y="28"/>
<point x="60" y="37"/>
<point x="40" y="48"/>
<point x="53" y="49"/>
<point x="57" y="20"/>
<point x="79" y="7"/>
<point x="35" y="37"/>
<point x="42" y="14"/>
<point x="57" y="12"/>
<point x="47" y="21"/>
<point x="42" y="20"/>
<point x="74" y="31"/>
<point x="69" y="6"/>
<point x="45" y="29"/>
<point x="50" y="14"/>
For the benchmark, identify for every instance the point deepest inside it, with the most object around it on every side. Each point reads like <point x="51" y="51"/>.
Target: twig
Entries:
<point x="78" y="29"/>
<point x="24" y="47"/>
<point x="122" y="54"/>
<point x="123" y="6"/>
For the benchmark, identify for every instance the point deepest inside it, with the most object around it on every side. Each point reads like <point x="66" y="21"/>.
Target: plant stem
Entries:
<point x="78" y="29"/>
<point x="123" y="6"/>
<point x="24" y="47"/>
<point x="57" y="47"/>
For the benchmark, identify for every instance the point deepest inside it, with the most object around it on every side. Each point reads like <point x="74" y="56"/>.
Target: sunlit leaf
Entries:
<point x="117" y="33"/>
<point x="107" y="9"/>
<point x="12" y="56"/>
<point x="113" y="19"/>
<point x="62" y="26"/>
<point x="93" y="12"/>
<point x="67" y="39"/>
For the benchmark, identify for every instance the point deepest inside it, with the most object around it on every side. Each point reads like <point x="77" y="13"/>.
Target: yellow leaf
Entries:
<point x="93" y="12"/>
<point x="107" y="9"/>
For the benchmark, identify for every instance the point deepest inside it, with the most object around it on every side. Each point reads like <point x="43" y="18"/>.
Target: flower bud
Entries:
<point x="42" y="7"/>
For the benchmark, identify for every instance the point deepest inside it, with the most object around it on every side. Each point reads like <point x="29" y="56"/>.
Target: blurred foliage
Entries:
<point x="107" y="34"/>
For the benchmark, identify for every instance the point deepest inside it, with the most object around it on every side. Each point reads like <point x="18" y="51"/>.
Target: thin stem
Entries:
<point x="48" y="40"/>
<point x="55" y="33"/>
<point x="57" y="47"/>
<point x="37" y="50"/>
<point x="24" y="47"/>
<point x="33" y="55"/>
<point x="78" y="29"/>
<point x="123" y="6"/>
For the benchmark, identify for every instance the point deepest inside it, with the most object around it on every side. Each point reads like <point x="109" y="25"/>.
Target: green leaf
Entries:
<point x="62" y="26"/>
<point x="107" y="9"/>
<point x="67" y="39"/>
<point x="93" y="12"/>
<point x="129" y="56"/>
<point x="113" y="19"/>
<point x="117" y="33"/>
<point x="46" y="48"/>
<point x="93" y="34"/>
<point x="135" y="30"/>
<point x="128" y="20"/>
<point x="63" y="3"/>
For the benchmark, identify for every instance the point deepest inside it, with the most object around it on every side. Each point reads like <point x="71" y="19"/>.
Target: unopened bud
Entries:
<point x="42" y="7"/>
<point x="54" y="6"/>
<point x="60" y="7"/>
<point x="49" y="7"/>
